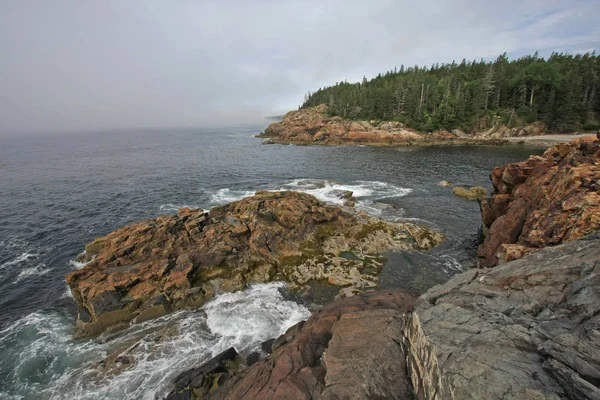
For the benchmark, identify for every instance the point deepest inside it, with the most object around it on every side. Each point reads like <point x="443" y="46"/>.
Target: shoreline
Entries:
<point x="545" y="141"/>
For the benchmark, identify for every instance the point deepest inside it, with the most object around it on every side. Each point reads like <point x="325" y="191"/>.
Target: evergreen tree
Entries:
<point x="561" y="91"/>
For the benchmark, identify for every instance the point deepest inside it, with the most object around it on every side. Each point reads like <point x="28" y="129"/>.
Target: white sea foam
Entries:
<point x="77" y="264"/>
<point x="19" y="259"/>
<point x="44" y="362"/>
<point x="244" y="318"/>
<point x="226" y="195"/>
<point x="34" y="270"/>
<point x="451" y="265"/>
<point x="327" y="190"/>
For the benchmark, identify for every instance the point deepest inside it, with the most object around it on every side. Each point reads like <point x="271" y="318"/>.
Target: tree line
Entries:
<point x="561" y="92"/>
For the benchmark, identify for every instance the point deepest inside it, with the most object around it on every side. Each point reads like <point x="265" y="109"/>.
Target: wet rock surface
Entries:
<point x="350" y="349"/>
<point x="154" y="267"/>
<point x="473" y="193"/>
<point x="527" y="329"/>
<point x="313" y="126"/>
<point x="542" y="202"/>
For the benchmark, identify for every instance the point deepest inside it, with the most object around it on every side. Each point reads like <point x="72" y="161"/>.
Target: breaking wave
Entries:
<point x="47" y="363"/>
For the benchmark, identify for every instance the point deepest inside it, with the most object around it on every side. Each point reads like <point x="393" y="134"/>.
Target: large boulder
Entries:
<point x="543" y="201"/>
<point x="527" y="329"/>
<point x="145" y="270"/>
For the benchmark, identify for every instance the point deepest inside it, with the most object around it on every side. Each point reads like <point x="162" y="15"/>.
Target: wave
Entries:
<point x="327" y="190"/>
<point x="43" y="361"/>
<point x="19" y="259"/>
<point x="226" y="195"/>
<point x="35" y="270"/>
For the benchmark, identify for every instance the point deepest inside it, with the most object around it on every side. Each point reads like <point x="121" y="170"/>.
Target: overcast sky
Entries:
<point x="92" y="65"/>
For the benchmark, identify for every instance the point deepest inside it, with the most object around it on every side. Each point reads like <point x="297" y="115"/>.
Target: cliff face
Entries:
<point x="147" y="269"/>
<point x="542" y="202"/>
<point x="313" y="126"/>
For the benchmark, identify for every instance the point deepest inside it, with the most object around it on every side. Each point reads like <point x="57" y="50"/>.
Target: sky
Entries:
<point x="73" y="65"/>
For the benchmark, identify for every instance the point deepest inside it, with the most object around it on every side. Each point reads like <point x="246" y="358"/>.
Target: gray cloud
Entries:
<point x="89" y="65"/>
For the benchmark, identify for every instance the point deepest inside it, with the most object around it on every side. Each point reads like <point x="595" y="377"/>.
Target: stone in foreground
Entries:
<point x="151" y="268"/>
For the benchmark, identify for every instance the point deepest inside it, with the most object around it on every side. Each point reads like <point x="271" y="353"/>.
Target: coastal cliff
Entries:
<point x="312" y="126"/>
<point x="542" y="201"/>
<point x="157" y="266"/>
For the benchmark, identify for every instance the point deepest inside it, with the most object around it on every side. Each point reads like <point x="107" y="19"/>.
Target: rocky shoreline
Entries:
<point x="312" y="126"/>
<point x="525" y="330"/>
<point x="524" y="325"/>
<point x="158" y="266"/>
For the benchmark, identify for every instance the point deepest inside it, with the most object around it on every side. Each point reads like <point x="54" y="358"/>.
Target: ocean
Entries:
<point x="59" y="192"/>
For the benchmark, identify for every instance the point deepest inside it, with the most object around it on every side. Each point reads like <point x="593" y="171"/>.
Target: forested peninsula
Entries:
<point x="561" y="92"/>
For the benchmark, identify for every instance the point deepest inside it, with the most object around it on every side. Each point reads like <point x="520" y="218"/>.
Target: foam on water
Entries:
<point x="19" y="259"/>
<point x="243" y="318"/>
<point x="33" y="270"/>
<point x="39" y="358"/>
<point x="77" y="264"/>
<point x="226" y="195"/>
<point x="365" y="192"/>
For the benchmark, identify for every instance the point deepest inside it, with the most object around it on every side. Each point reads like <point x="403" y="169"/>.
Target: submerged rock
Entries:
<point x="151" y="268"/>
<point x="474" y="193"/>
<point x="541" y="202"/>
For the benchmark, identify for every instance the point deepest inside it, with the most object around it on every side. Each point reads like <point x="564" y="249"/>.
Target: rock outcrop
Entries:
<point x="314" y="126"/>
<point x="527" y="329"/>
<point x="147" y="269"/>
<point x="500" y="131"/>
<point x="350" y="349"/>
<point x="541" y="202"/>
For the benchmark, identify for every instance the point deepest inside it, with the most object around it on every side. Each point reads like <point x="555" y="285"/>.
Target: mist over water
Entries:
<point x="58" y="193"/>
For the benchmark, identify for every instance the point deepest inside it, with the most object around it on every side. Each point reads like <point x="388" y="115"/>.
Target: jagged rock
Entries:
<point x="350" y="349"/>
<point x="474" y="193"/>
<point x="314" y="126"/>
<point x="542" y="202"/>
<point x="206" y="378"/>
<point x="151" y="268"/>
<point x="527" y="329"/>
